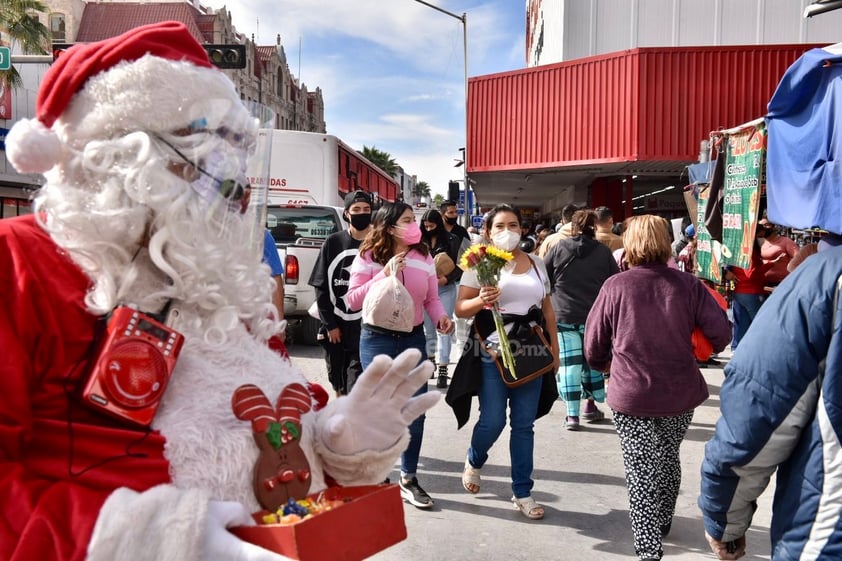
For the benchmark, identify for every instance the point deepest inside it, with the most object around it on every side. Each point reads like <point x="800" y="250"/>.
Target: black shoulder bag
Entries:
<point x="531" y="350"/>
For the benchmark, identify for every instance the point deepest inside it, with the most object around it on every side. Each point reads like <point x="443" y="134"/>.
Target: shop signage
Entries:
<point x="744" y="165"/>
<point x="707" y="264"/>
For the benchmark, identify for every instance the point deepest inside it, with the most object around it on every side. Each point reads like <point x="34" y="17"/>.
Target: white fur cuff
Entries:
<point x="160" y="524"/>
<point x="366" y="467"/>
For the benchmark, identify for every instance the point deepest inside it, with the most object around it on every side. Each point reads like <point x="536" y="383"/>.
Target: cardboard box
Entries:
<point x="371" y="520"/>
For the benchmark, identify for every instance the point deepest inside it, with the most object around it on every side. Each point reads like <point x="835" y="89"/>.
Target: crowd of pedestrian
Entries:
<point x="598" y="287"/>
<point x="135" y="240"/>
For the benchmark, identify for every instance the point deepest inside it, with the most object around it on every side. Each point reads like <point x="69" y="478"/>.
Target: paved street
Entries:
<point x="578" y="478"/>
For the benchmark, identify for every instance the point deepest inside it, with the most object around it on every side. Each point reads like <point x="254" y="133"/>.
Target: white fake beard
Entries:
<point x="99" y="206"/>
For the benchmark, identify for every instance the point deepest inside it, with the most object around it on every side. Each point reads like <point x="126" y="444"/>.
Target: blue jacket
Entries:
<point x="779" y="412"/>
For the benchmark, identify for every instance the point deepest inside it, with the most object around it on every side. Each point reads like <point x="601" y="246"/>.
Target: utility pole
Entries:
<point x="464" y="19"/>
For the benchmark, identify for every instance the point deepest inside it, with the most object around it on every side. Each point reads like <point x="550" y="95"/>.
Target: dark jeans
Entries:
<point x="373" y="344"/>
<point x="522" y="402"/>
<point x="745" y="307"/>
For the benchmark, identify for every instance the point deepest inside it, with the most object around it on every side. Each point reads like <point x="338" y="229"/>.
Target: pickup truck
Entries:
<point x="299" y="232"/>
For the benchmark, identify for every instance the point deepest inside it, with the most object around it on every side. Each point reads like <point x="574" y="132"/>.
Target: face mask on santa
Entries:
<point x="217" y="179"/>
<point x="218" y="176"/>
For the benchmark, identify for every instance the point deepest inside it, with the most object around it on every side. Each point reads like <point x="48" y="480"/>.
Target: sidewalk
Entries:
<point x="578" y="478"/>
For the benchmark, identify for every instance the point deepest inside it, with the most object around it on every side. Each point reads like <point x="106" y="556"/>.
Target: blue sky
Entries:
<point x="391" y="71"/>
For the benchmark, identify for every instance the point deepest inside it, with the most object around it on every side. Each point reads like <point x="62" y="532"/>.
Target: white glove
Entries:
<point x="218" y="544"/>
<point x="376" y="413"/>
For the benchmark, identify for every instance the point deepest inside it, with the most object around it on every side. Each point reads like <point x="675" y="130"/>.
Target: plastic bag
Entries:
<point x="388" y="305"/>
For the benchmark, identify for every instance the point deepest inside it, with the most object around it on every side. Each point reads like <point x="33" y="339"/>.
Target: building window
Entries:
<point x="10" y="208"/>
<point x="57" y="26"/>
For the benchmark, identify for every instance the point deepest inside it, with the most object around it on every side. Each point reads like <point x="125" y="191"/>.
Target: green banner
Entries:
<point x="744" y="162"/>
<point x="707" y="264"/>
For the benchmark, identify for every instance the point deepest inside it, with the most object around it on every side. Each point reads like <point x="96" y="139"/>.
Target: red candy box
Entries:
<point x="368" y="520"/>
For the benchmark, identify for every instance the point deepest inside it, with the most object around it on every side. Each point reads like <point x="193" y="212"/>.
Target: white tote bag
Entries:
<point x="388" y="304"/>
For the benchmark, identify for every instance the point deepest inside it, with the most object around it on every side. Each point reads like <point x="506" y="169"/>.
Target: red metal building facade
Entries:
<point x="609" y="116"/>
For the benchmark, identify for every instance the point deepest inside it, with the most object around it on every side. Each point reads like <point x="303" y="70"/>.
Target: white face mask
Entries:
<point x="506" y="240"/>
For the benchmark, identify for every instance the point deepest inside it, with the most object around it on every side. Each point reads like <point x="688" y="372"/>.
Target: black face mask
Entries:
<point x="451" y="221"/>
<point x="360" y="221"/>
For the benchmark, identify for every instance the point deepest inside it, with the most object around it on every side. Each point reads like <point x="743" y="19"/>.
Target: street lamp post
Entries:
<point x="464" y="19"/>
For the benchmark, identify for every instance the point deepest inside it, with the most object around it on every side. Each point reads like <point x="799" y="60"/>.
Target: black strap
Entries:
<point x="569" y="261"/>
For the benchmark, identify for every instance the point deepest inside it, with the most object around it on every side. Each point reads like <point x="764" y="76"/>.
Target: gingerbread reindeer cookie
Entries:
<point x="282" y="471"/>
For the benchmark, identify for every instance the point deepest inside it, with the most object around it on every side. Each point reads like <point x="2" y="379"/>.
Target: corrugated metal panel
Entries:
<point x="687" y="92"/>
<point x="643" y="104"/>
<point x="551" y="115"/>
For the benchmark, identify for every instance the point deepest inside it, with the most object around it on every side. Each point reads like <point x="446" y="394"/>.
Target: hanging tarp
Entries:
<point x="700" y="173"/>
<point x="804" y="173"/>
<point x="744" y="165"/>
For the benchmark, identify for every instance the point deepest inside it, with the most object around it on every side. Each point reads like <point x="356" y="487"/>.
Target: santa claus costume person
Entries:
<point x="143" y="145"/>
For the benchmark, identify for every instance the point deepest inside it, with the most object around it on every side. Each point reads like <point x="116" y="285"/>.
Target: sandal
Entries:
<point x="470" y="478"/>
<point x="529" y="507"/>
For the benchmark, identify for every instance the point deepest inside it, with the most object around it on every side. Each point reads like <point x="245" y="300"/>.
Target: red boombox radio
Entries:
<point x="132" y="366"/>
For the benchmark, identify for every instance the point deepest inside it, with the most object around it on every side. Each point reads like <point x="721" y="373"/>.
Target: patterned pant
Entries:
<point x="653" y="474"/>
<point x="575" y="378"/>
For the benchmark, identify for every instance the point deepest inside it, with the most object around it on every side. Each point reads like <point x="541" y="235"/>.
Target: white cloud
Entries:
<point x="391" y="71"/>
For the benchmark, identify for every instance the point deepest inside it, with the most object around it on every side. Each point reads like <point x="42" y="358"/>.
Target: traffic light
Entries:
<point x="59" y="48"/>
<point x="222" y="56"/>
<point x="227" y="56"/>
<point x="453" y="191"/>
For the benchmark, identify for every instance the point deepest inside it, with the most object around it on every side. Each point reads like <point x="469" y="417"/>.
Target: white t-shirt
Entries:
<point x="518" y="292"/>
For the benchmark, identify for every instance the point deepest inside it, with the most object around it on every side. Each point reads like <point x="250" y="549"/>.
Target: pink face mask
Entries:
<point x="410" y="234"/>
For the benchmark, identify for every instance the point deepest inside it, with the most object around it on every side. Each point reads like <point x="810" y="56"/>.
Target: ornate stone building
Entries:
<point x="266" y="79"/>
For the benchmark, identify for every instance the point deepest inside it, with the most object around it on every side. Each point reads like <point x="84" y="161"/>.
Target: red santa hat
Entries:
<point x="153" y="78"/>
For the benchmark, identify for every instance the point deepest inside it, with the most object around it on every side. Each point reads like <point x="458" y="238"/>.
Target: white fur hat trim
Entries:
<point x="31" y="147"/>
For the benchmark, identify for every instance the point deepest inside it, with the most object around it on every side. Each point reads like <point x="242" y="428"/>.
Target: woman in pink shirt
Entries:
<point x="394" y="247"/>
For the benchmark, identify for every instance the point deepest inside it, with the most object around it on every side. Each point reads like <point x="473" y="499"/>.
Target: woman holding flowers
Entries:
<point x="501" y="287"/>
<point x="394" y="247"/>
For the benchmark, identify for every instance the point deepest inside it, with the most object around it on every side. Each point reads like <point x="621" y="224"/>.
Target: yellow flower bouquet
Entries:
<point x="487" y="261"/>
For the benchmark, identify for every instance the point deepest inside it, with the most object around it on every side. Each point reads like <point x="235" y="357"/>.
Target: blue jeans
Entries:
<point x="447" y="295"/>
<point x="745" y="307"/>
<point x="523" y="400"/>
<point x="373" y="344"/>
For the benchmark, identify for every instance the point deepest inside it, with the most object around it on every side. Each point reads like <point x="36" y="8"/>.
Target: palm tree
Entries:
<point x="438" y="200"/>
<point x="21" y="25"/>
<point x="422" y="189"/>
<point x="381" y="159"/>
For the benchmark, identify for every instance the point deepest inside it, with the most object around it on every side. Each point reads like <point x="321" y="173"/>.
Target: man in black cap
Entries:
<point x="340" y="331"/>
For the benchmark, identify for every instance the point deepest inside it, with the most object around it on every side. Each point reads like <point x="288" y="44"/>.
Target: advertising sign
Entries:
<point x="744" y="164"/>
<point x="707" y="263"/>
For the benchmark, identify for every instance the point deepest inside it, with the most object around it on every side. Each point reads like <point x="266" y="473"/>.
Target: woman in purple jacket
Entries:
<point x="655" y="382"/>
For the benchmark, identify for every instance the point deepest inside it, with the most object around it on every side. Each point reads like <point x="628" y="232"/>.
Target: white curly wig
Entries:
<point x="116" y="203"/>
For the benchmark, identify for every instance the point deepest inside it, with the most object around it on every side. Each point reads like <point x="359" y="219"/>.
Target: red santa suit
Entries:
<point x="76" y="484"/>
<point x="61" y="460"/>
